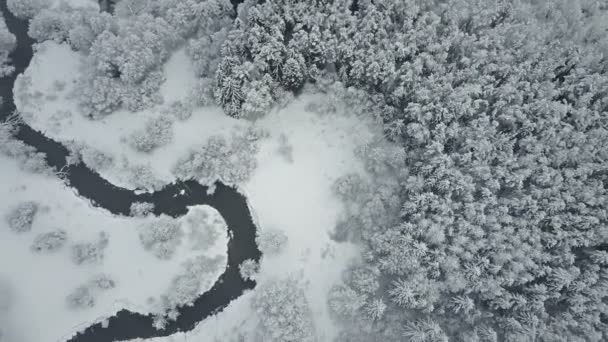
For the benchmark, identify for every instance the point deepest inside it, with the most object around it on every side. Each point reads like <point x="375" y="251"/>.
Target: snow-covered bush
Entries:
<point x="271" y="241"/>
<point x="26" y="9"/>
<point x="102" y="282"/>
<point x="141" y="176"/>
<point x="161" y="236"/>
<point x="283" y="311"/>
<point x="249" y="269"/>
<point x="21" y="217"/>
<point x="90" y="252"/>
<point x="157" y="132"/>
<point x="186" y="287"/>
<point x="141" y="209"/>
<point x="80" y="298"/>
<point x="7" y="45"/>
<point x="49" y="242"/>
<point x="231" y="161"/>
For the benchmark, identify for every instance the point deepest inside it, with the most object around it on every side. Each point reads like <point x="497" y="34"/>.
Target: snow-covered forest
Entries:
<point x="418" y="170"/>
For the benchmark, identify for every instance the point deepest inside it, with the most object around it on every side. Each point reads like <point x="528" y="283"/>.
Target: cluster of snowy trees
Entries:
<point x="230" y="160"/>
<point x="487" y="218"/>
<point x="78" y="27"/>
<point x="283" y="311"/>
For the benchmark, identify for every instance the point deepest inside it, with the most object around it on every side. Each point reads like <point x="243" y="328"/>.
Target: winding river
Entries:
<point x="228" y="201"/>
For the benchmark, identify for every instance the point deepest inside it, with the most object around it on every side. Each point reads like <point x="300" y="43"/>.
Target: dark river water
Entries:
<point x="90" y="185"/>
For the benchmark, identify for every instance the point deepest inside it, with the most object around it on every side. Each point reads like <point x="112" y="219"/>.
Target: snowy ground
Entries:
<point x="290" y="190"/>
<point x="38" y="283"/>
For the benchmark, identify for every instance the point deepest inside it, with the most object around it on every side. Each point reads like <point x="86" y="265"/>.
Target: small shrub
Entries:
<point x="157" y="132"/>
<point x="90" y="252"/>
<point x="161" y="237"/>
<point x="249" y="269"/>
<point x="49" y="242"/>
<point x="21" y="218"/>
<point x="81" y="298"/>
<point x="102" y="282"/>
<point x="271" y="241"/>
<point x="141" y="209"/>
<point x="96" y="159"/>
<point x="142" y="177"/>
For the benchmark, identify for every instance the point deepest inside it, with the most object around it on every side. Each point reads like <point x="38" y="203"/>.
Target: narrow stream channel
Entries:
<point x="228" y="201"/>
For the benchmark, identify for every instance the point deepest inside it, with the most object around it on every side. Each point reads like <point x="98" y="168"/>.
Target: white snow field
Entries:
<point x="38" y="283"/>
